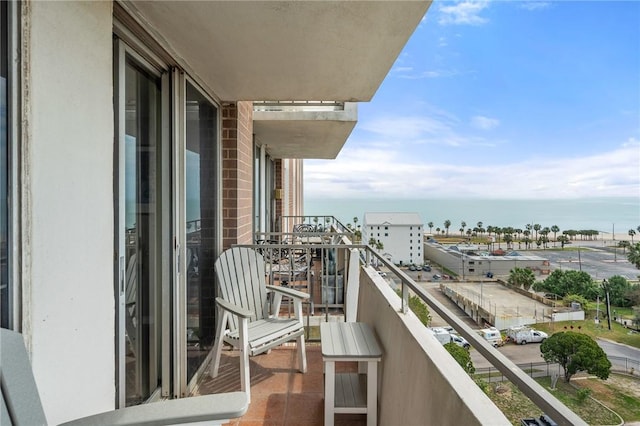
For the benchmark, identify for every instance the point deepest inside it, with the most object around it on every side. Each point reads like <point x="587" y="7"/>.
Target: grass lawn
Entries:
<point x="617" y="333"/>
<point x="618" y="393"/>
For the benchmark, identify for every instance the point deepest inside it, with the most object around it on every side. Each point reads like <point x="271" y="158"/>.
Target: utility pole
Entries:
<point x="605" y="285"/>
<point x="579" y="259"/>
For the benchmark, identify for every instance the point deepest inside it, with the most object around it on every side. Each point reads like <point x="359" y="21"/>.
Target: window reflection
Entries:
<point x="5" y="285"/>
<point x="142" y="227"/>
<point x="201" y="131"/>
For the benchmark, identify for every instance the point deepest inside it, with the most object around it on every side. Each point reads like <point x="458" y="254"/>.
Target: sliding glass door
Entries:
<point x="141" y="207"/>
<point x="200" y="224"/>
<point x="5" y="284"/>
<point x="167" y="191"/>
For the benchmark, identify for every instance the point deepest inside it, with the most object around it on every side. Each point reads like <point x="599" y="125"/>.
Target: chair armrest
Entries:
<point x="289" y="292"/>
<point x="233" y="308"/>
<point x="217" y="408"/>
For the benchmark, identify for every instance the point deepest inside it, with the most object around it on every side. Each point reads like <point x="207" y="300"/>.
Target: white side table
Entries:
<point x="350" y="392"/>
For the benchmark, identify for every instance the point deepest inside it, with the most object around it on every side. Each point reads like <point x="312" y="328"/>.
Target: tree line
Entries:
<point x="529" y="234"/>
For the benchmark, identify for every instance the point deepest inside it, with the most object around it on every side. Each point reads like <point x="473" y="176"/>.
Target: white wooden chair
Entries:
<point x="244" y="320"/>
<point x="20" y="403"/>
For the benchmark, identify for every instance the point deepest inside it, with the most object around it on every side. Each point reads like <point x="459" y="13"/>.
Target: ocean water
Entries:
<point x="602" y="214"/>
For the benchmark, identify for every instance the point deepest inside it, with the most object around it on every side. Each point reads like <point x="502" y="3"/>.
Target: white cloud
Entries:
<point x="371" y="173"/>
<point x="428" y="74"/>
<point x="484" y="123"/>
<point x="463" y="13"/>
<point x="436" y="127"/>
<point x="535" y="5"/>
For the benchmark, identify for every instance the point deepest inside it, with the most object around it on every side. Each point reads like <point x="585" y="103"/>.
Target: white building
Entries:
<point x="399" y="233"/>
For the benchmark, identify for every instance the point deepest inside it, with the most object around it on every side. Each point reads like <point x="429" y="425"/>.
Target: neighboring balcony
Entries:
<point x="303" y="129"/>
<point x="418" y="381"/>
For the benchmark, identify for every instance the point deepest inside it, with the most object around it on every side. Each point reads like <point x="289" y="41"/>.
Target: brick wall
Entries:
<point x="237" y="173"/>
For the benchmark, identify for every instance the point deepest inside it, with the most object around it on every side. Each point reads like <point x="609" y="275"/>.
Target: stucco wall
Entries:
<point x="67" y="214"/>
<point x="419" y="382"/>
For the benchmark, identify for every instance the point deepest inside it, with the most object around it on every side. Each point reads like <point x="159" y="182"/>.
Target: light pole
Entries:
<point x="605" y="285"/>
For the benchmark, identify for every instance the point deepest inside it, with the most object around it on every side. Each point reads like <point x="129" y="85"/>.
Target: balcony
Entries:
<point x="418" y="381"/>
<point x="304" y="129"/>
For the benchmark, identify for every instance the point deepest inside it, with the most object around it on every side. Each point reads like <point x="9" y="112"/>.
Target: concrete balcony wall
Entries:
<point x="419" y="382"/>
<point x="66" y="179"/>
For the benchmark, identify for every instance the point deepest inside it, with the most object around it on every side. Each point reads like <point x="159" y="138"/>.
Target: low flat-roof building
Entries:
<point x="469" y="261"/>
<point x="399" y="233"/>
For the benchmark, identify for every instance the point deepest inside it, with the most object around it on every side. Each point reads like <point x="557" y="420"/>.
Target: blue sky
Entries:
<point x="501" y="99"/>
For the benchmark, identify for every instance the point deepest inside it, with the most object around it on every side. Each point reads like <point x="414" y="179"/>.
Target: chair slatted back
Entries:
<point x="241" y="280"/>
<point x="20" y="402"/>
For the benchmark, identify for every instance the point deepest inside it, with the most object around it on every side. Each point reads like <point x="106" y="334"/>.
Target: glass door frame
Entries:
<point x="121" y="52"/>
<point x="183" y="386"/>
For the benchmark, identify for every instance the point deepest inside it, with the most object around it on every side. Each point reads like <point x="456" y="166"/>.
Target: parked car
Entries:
<point x="436" y="276"/>
<point x="460" y="341"/>
<point x="426" y="268"/>
<point x="444" y="336"/>
<point x="523" y="335"/>
<point x="412" y="268"/>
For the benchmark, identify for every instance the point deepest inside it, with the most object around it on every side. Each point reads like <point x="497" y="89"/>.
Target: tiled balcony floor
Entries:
<point x="280" y="394"/>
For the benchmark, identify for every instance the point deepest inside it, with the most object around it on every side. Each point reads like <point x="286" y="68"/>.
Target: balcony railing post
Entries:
<point x="405" y="298"/>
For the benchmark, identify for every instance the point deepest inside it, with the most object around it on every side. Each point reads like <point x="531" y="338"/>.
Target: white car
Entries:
<point x="460" y="341"/>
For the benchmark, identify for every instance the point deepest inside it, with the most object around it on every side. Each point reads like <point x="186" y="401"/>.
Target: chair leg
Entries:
<point x="302" y="354"/>
<point x="245" y="376"/>
<point x="217" y="348"/>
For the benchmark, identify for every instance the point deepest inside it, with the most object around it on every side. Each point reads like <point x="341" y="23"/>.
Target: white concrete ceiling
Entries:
<point x="284" y="50"/>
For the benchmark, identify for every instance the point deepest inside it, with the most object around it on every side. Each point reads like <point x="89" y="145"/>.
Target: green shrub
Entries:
<point x="582" y="395"/>
<point x="419" y="308"/>
<point x="462" y="356"/>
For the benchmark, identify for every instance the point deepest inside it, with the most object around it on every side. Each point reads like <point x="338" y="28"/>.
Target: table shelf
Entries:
<point x="350" y="392"/>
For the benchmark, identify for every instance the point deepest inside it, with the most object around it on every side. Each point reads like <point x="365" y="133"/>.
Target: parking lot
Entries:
<point x="599" y="262"/>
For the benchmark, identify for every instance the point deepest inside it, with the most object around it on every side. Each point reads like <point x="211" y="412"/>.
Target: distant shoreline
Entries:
<point x="605" y="215"/>
<point x="603" y="239"/>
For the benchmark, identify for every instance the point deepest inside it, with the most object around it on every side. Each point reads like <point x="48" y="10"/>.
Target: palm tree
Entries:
<point x="536" y="228"/>
<point x="480" y="230"/>
<point x="632" y="233"/>
<point x="461" y="231"/>
<point x="463" y="225"/>
<point x="634" y="254"/>
<point x="508" y="238"/>
<point x="624" y="245"/>
<point x="447" y="224"/>
<point x="430" y="225"/>
<point x="564" y="240"/>
<point x="498" y="231"/>
<point x="372" y="242"/>
<point x="490" y="229"/>
<point x="519" y="232"/>
<point x="555" y="229"/>
<point x="355" y="220"/>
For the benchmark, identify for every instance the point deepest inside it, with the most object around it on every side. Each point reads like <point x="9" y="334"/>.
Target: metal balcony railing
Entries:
<point x="317" y="261"/>
<point x="292" y="106"/>
<point x="320" y="223"/>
